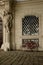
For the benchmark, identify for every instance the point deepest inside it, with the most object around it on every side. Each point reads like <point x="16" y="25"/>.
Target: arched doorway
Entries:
<point x="1" y="32"/>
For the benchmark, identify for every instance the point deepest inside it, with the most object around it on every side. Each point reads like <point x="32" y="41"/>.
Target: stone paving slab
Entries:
<point x="21" y="58"/>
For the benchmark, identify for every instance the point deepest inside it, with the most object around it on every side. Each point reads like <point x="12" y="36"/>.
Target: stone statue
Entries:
<point x="8" y="24"/>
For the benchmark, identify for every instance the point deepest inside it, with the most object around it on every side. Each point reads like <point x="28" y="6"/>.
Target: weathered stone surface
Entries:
<point x="21" y="58"/>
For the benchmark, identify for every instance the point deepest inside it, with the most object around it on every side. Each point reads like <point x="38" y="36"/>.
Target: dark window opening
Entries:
<point x="30" y="25"/>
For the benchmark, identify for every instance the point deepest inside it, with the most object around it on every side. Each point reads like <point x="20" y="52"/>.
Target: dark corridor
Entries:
<point x="1" y="32"/>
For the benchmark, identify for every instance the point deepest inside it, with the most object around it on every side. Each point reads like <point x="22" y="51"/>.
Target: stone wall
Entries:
<point x="22" y="9"/>
<point x="19" y="10"/>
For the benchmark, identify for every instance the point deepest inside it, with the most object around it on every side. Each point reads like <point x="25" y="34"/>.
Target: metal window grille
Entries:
<point x="30" y="43"/>
<point x="30" y="25"/>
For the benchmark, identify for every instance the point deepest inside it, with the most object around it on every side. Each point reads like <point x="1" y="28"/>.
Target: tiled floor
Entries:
<point x="21" y="58"/>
